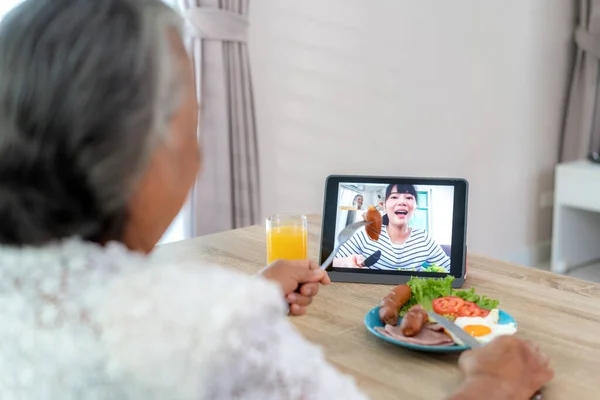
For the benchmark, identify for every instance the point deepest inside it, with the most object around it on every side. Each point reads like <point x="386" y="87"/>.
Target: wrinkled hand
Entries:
<point x="518" y="367"/>
<point x="299" y="281"/>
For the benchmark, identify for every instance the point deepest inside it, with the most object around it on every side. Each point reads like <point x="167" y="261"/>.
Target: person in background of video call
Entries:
<point x="358" y="201"/>
<point x="401" y="246"/>
<point x="353" y="215"/>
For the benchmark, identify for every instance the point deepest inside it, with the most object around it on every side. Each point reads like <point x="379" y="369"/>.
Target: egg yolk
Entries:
<point x="477" y="330"/>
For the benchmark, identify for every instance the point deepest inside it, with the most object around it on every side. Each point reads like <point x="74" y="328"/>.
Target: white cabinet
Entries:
<point x="576" y="221"/>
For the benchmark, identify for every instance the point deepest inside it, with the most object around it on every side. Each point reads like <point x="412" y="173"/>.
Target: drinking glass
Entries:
<point x="287" y="236"/>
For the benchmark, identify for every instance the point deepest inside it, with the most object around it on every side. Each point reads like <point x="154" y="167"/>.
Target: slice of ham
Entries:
<point x="430" y="335"/>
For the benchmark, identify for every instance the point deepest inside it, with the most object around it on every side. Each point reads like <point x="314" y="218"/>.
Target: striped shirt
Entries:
<point x="419" y="251"/>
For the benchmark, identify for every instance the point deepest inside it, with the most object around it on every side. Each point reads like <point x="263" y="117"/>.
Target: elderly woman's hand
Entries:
<point x="299" y="281"/>
<point x="508" y="368"/>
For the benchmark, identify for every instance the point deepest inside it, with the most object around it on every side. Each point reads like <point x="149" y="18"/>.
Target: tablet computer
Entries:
<point x="424" y="228"/>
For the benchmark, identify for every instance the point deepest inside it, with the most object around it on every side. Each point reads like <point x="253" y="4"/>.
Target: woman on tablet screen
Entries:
<point x="353" y="215"/>
<point x="402" y="247"/>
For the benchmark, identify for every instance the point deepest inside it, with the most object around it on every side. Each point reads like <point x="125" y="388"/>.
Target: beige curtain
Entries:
<point x="227" y="193"/>
<point x="583" y="109"/>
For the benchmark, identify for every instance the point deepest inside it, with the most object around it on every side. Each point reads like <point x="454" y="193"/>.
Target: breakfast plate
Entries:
<point x="374" y="325"/>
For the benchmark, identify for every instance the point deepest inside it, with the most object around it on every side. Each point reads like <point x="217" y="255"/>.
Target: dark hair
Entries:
<point x="80" y="86"/>
<point x="400" y="188"/>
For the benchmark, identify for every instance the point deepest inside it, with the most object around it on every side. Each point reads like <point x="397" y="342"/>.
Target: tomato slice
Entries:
<point x="448" y="305"/>
<point x="484" y="312"/>
<point x="470" y="309"/>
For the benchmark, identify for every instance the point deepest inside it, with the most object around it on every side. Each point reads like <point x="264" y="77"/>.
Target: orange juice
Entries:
<point x="287" y="237"/>
<point x="286" y="242"/>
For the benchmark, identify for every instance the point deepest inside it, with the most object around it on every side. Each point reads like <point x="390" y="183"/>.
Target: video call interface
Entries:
<point x="416" y="234"/>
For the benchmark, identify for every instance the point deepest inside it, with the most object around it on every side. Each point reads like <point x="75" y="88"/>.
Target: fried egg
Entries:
<point x="484" y="329"/>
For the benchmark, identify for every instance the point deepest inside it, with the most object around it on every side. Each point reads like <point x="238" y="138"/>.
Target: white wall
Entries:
<point x="463" y="88"/>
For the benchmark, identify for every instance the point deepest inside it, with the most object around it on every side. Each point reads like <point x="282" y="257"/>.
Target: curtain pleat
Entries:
<point x="582" y="118"/>
<point x="227" y="193"/>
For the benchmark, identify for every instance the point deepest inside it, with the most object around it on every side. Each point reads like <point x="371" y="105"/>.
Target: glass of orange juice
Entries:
<point x="287" y="235"/>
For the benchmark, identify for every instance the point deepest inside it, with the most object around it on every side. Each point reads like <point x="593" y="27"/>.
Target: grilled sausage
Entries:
<point x="374" y="228"/>
<point x="393" y="302"/>
<point x="413" y="321"/>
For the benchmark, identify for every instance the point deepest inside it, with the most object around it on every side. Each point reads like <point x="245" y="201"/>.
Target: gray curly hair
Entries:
<point x="87" y="89"/>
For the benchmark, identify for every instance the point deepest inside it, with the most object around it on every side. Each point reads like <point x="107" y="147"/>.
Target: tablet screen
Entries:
<point x="416" y="233"/>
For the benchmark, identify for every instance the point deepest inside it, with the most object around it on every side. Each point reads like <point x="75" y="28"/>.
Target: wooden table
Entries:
<point x="562" y="314"/>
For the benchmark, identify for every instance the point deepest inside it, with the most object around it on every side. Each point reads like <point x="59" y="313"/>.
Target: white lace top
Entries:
<point x="81" y="321"/>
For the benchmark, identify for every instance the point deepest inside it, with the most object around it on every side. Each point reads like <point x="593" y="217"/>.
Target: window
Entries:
<point x="172" y="3"/>
<point x="180" y="227"/>
<point x="422" y="216"/>
<point x="7" y="5"/>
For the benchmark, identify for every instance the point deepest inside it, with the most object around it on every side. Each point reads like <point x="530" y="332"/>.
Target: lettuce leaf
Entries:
<point x="433" y="268"/>
<point x="425" y="290"/>
<point x="468" y="295"/>
<point x="481" y="301"/>
<point x="487" y="303"/>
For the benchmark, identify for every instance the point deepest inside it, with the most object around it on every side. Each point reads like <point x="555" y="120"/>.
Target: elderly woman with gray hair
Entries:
<point x="98" y="151"/>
